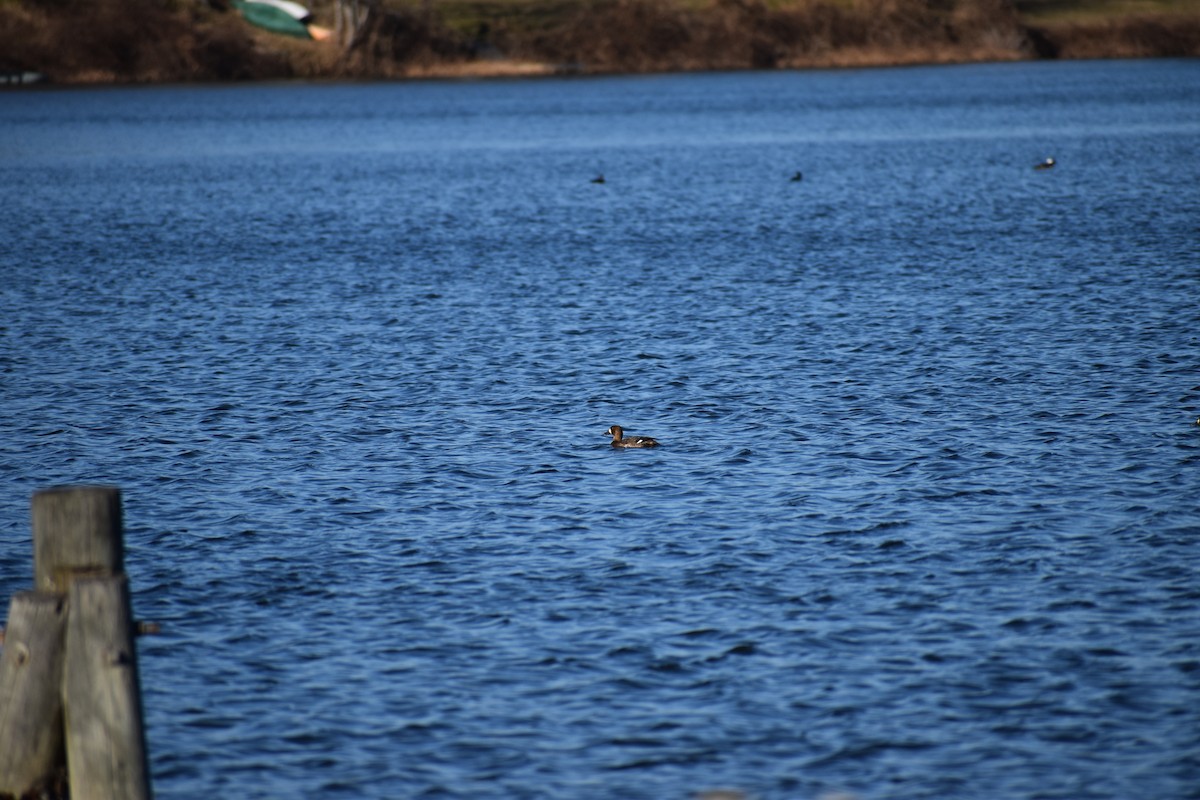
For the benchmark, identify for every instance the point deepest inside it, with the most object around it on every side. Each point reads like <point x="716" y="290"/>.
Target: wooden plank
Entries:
<point x="105" y="739"/>
<point x="31" y="741"/>
<point x="76" y="529"/>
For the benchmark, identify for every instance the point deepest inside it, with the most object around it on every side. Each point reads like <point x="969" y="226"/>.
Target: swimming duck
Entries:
<point x="1047" y="164"/>
<point x="799" y="176"/>
<point x="598" y="179"/>
<point x="621" y="440"/>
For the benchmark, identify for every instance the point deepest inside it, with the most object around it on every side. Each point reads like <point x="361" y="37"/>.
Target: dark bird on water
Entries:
<point x="598" y="179"/>
<point x="799" y="176"/>
<point x="1047" y="164"/>
<point x="619" y="439"/>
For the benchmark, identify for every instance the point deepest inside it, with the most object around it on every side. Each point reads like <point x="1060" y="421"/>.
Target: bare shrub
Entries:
<point x="22" y="39"/>
<point x="989" y="27"/>
<point x="628" y="35"/>
<point x="225" y="51"/>
<point x="743" y="34"/>
<point x="389" y="43"/>
<point x="128" y="39"/>
<point x="1143" y="36"/>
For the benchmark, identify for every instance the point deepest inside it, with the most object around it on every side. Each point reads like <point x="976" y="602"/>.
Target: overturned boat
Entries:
<point x="277" y="16"/>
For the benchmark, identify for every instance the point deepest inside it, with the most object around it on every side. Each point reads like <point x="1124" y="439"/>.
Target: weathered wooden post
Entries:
<point x="83" y="697"/>
<point x="31" y="733"/>
<point x="106" y="751"/>
<point x="76" y="530"/>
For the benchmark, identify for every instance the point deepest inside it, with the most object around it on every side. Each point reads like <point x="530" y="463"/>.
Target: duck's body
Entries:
<point x="619" y="439"/>
<point x="598" y="179"/>
<point x="1047" y="164"/>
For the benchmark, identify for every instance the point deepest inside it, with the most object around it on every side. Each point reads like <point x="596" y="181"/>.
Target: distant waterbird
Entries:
<point x="799" y="176"/>
<point x="1047" y="164"/>
<point x="598" y="179"/>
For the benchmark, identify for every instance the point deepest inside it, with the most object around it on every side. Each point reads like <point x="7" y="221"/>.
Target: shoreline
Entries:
<point x="527" y="71"/>
<point x="201" y="44"/>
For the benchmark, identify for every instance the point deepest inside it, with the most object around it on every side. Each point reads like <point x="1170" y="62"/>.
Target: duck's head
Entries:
<point x="615" y="431"/>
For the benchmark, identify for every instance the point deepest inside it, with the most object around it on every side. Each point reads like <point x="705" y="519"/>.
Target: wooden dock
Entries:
<point x="70" y="699"/>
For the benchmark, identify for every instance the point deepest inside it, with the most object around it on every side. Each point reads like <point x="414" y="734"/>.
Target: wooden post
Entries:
<point x="76" y="530"/>
<point x="106" y="749"/>
<point x="31" y="741"/>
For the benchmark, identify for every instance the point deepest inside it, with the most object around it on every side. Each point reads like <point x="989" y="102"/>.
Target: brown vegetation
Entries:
<point x="645" y="35"/>
<point x="75" y="41"/>
<point x="395" y="43"/>
<point x="121" y="41"/>
<point x="1139" y="36"/>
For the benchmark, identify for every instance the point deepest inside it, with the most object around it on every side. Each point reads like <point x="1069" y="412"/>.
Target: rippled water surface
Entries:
<point x="924" y="524"/>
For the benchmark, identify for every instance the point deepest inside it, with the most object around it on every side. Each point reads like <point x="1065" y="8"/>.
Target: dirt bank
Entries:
<point x="140" y="41"/>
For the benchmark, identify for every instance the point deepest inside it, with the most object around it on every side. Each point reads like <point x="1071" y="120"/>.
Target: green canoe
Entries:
<point x="272" y="18"/>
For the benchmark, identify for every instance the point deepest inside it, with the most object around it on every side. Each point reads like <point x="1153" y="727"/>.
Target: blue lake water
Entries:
<point x="924" y="523"/>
